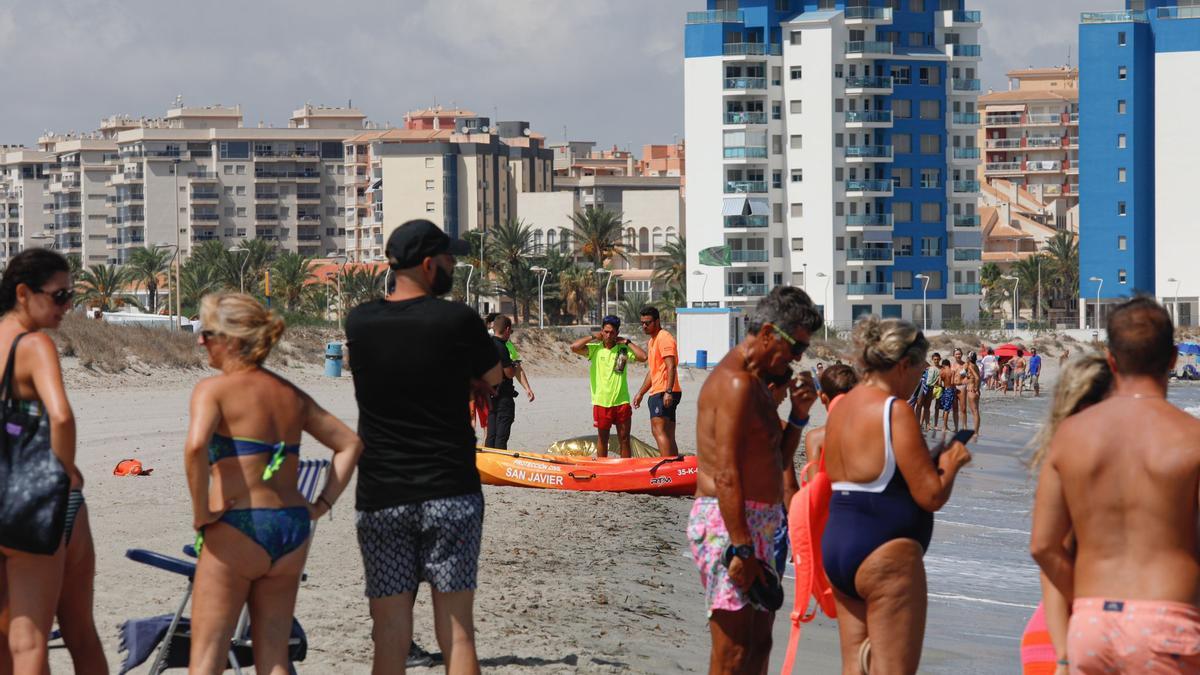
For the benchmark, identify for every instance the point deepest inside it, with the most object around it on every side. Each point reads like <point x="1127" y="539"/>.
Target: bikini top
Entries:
<point x="224" y="447"/>
<point x="889" y="460"/>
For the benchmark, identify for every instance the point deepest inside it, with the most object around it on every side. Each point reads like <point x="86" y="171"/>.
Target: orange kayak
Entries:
<point x="673" y="476"/>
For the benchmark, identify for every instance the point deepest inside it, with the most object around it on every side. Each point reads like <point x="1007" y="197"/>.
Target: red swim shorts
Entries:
<point x="606" y="417"/>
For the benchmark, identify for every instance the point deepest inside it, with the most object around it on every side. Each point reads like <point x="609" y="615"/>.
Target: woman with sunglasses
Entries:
<point x="885" y="490"/>
<point x="242" y="457"/>
<point x="35" y="293"/>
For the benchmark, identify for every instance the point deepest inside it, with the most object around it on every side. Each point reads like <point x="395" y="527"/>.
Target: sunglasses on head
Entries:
<point x="798" y="347"/>
<point x="62" y="297"/>
<point x="207" y="335"/>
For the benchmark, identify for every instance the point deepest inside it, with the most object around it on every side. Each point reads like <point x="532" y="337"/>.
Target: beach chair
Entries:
<point x="169" y="635"/>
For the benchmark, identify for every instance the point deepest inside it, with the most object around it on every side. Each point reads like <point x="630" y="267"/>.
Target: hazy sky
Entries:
<point x="608" y="71"/>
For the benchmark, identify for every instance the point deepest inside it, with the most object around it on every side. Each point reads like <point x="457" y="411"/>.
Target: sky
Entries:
<point x="607" y="71"/>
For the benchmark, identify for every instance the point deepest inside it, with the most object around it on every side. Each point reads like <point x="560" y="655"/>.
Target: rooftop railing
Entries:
<point x="716" y="16"/>
<point x="750" y="49"/>
<point x="962" y="84"/>
<point x="967" y="50"/>
<point x="746" y="221"/>
<point x="868" y="13"/>
<point x="747" y="152"/>
<point x="1114" y="17"/>
<point x="961" y="16"/>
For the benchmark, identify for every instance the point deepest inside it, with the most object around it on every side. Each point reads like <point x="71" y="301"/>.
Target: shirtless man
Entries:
<point x="949" y="400"/>
<point x="1123" y="476"/>
<point x="743" y="450"/>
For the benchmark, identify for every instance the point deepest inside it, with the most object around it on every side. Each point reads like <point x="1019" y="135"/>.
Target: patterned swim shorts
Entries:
<point x="709" y="538"/>
<point x="435" y="541"/>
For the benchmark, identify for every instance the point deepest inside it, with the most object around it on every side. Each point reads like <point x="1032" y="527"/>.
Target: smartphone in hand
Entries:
<point x="961" y="436"/>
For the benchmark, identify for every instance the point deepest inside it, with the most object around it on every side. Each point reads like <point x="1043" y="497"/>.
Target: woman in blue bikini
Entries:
<point x="241" y="457"/>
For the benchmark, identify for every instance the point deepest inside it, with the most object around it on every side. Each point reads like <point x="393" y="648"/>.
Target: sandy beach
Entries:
<point x="569" y="582"/>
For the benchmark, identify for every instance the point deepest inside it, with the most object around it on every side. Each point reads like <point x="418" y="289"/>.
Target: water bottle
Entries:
<point x="621" y="360"/>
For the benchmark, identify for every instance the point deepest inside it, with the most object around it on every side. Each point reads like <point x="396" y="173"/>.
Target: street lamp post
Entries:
<point x="1097" y="299"/>
<point x="242" y="270"/>
<point x="178" y="252"/>
<point x="1016" y="296"/>
<point x="173" y="288"/>
<point x="1174" y="300"/>
<point x="341" y="266"/>
<point x="703" y="284"/>
<point x="542" y="272"/>
<point x="470" y="272"/>
<point x="609" y="273"/>
<point x="924" y="301"/>
<point x="825" y="307"/>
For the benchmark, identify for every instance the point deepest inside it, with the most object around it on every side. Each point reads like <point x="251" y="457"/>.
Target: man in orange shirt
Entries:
<point x="662" y="382"/>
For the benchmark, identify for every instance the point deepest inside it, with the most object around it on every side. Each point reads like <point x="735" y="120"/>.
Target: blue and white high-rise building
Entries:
<point x="832" y="145"/>
<point x="1137" y="94"/>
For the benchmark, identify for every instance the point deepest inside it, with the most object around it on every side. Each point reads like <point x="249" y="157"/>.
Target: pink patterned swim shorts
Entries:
<point x="709" y="539"/>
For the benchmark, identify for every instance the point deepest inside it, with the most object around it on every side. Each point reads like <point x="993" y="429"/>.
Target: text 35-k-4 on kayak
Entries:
<point x="673" y="476"/>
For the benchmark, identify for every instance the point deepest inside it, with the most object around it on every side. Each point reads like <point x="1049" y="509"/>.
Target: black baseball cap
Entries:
<point x="417" y="240"/>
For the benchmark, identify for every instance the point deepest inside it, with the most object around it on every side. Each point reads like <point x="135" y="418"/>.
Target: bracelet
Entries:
<point x="1063" y="662"/>
<point x="799" y="423"/>
<point x="321" y="499"/>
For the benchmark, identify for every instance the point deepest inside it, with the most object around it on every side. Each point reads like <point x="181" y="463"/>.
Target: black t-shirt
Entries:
<point x="506" y="388"/>
<point x="412" y="363"/>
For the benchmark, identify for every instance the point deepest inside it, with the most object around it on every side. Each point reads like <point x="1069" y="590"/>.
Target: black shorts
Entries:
<point x="435" y="541"/>
<point x="657" y="409"/>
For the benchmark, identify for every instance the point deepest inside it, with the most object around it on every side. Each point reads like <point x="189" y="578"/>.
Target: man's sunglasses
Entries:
<point x="647" y="323"/>
<point x="62" y="297"/>
<point x="798" y="347"/>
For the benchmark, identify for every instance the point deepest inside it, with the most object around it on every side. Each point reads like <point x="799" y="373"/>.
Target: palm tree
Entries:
<point x="598" y="235"/>
<point x="103" y="287"/>
<point x="630" y="307"/>
<point x="74" y="264"/>
<point x="290" y="273"/>
<point x="508" y="249"/>
<point x="196" y="280"/>
<point x="145" y="267"/>
<point x="671" y="268"/>
<point x="1063" y="253"/>
<point x="360" y="284"/>
<point x="575" y="287"/>
<point x="1031" y="272"/>
<point x="994" y="292"/>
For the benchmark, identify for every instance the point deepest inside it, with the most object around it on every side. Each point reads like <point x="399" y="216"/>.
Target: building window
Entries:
<point x="796" y="107"/>
<point x="429" y="185"/>
<point x="240" y="170"/>
<point x="228" y="169"/>
<point x="429" y="207"/>
<point x="1122" y="277"/>
<point x="776" y="111"/>
<point x="776" y="179"/>
<point x="777" y="213"/>
<point x="930" y="110"/>
<point x="429" y="163"/>
<point x="797" y="210"/>
<point x="1122" y="72"/>
<point x="241" y="190"/>
<point x="839" y="208"/>
<point x="931" y="212"/>
<point x="931" y="246"/>
<point x="839" y="140"/>
<point x="797" y="243"/>
<point x="902" y="279"/>
<point x="902" y="108"/>
<point x="796" y="72"/>
<point x="930" y="76"/>
<point x="838" y="105"/>
<point x="777" y="247"/>
<point x="931" y="144"/>
<point x="1121" y="106"/>
<point x="901" y="75"/>
<point x="797" y="141"/>
<point x="901" y="144"/>
<point x="1120" y="140"/>
<point x="1122" y="242"/>
<point x="1121" y="208"/>
<point x="1121" y="39"/>
<point x="902" y="212"/>
<point x="916" y="5"/>
<point x="931" y="178"/>
<point x="796" y="37"/>
<point x="902" y="177"/>
<point x="839" y="243"/>
<point x="1121" y="175"/>
<point x="241" y="212"/>
<point x="797" y="175"/>
<point x="903" y="246"/>
<point x="838" y="71"/>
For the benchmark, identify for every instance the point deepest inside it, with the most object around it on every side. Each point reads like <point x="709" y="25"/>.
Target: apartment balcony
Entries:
<point x="860" y="256"/>
<point x="1073" y="119"/>
<point x="966" y="221"/>
<point x="745" y="186"/>
<point x="744" y="118"/>
<point x="1043" y="166"/>
<point x="1003" y="168"/>
<point x="1071" y="189"/>
<point x="205" y="197"/>
<point x="308" y="196"/>
<point x="967" y="255"/>
<point x="1003" y="120"/>
<point x="1051" y="143"/>
<point x="266" y="219"/>
<point x="205" y="218"/>
<point x="746" y="222"/>
<point x="868" y="188"/>
<point x="965" y="186"/>
<point x="739" y="84"/>
<point x="308" y="236"/>
<point x="860" y="222"/>
<point x="266" y="196"/>
<point x="745" y="152"/>
<point x="869" y="119"/>
<point x="968" y="289"/>
<point x="868" y="49"/>
<point x="1045" y="119"/>
<point x="746" y="257"/>
<point x="964" y="19"/>
<point x="965" y="120"/>
<point x="745" y="290"/>
<point x="965" y="52"/>
<point x="862" y="16"/>
<point x="1070" y="142"/>
<point x="716" y="16"/>
<point x="305" y="176"/>
<point x="266" y="234"/>
<point x="963" y="86"/>
<point x="965" y="155"/>
<point x="750" y="49"/>
<point x="202" y="176"/>
<point x="1114" y="17"/>
<point x="868" y="86"/>
<point x="864" y="290"/>
<point x="858" y="154"/>
<point x="308" y="218"/>
<point x="1003" y="143"/>
<point x="209" y="234"/>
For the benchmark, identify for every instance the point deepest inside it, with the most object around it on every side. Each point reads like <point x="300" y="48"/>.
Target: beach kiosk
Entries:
<point x="706" y="334"/>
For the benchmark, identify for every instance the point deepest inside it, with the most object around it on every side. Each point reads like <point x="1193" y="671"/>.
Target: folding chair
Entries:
<point x="178" y="632"/>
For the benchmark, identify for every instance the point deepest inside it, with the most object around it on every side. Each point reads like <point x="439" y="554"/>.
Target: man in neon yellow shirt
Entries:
<point x="609" y="355"/>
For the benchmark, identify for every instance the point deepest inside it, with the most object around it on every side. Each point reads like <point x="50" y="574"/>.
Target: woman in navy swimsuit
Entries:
<point x="885" y="490"/>
<point x="242" y="457"/>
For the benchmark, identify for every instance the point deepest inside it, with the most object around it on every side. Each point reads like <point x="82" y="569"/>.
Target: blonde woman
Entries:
<point x="241" y="457"/>
<point x="1082" y="383"/>
<point x="885" y="490"/>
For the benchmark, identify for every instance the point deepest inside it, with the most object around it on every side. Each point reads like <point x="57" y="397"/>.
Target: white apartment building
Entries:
<point x="26" y="214"/>
<point x="835" y="149"/>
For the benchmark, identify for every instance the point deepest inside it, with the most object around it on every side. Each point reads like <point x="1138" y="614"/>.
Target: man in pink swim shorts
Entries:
<point x="1123" y="475"/>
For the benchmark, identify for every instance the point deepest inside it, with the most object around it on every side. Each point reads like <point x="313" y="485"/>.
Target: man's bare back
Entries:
<point x="735" y="404"/>
<point x="1130" y="475"/>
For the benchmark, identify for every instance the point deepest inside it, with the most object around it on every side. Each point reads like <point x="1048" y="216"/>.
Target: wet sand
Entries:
<point x="569" y="582"/>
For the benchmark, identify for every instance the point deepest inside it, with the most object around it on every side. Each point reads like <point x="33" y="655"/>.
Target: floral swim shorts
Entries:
<point x="707" y="534"/>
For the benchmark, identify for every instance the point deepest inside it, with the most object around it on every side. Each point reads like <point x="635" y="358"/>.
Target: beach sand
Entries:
<point x="569" y="582"/>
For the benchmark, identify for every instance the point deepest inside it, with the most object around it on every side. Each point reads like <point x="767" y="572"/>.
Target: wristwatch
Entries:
<point x="745" y="552"/>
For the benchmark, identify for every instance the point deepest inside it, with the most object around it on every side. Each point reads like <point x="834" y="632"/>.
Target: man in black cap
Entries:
<point x="417" y="362"/>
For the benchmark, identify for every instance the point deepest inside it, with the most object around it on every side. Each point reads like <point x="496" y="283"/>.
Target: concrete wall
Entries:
<point x="1174" y="171"/>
